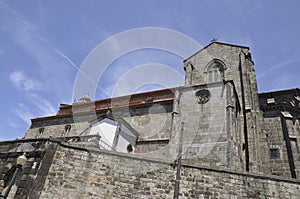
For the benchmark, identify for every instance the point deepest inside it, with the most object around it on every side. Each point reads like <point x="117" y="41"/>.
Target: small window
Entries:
<point x="270" y="101"/>
<point x="129" y="148"/>
<point x="67" y="130"/>
<point x="41" y="131"/>
<point x="274" y="153"/>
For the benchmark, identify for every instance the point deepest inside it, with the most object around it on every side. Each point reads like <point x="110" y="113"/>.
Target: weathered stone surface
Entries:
<point x="121" y="176"/>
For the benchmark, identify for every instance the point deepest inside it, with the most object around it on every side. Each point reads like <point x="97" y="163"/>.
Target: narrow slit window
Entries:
<point x="216" y="72"/>
<point x="210" y="79"/>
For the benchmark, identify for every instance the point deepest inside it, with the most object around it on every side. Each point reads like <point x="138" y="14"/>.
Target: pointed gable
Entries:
<point x="196" y="66"/>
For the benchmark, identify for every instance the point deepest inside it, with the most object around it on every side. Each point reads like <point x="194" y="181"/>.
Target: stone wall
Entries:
<point x="85" y="174"/>
<point x="229" y="55"/>
<point x="274" y="139"/>
<point x="78" y="173"/>
<point x="57" y="169"/>
<point x="211" y="134"/>
<point x="280" y="132"/>
<point x="151" y="122"/>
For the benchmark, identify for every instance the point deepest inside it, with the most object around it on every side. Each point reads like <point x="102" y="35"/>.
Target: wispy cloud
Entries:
<point x="43" y="105"/>
<point x="23" y="113"/>
<point x="26" y="36"/>
<point x="38" y="107"/>
<point x="21" y="81"/>
<point x="50" y="64"/>
<point x="268" y="71"/>
<point x="60" y="53"/>
<point x="66" y="58"/>
<point x="14" y="124"/>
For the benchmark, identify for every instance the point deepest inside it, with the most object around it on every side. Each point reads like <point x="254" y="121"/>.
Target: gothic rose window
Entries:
<point x="202" y="96"/>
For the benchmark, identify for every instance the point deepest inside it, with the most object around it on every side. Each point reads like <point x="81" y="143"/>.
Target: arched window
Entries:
<point x="215" y="71"/>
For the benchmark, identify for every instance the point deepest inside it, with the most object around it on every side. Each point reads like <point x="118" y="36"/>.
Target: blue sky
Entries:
<point x="43" y="43"/>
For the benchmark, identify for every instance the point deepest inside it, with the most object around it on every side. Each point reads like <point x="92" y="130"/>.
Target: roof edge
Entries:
<point x="280" y="91"/>
<point x="216" y="42"/>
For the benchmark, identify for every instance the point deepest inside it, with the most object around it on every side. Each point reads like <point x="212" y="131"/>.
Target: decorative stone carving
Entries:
<point x="203" y="96"/>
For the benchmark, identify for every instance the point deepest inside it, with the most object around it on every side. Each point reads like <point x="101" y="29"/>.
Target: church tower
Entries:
<point x="219" y="107"/>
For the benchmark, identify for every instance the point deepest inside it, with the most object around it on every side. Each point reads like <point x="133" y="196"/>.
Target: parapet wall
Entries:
<point x="78" y="173"/>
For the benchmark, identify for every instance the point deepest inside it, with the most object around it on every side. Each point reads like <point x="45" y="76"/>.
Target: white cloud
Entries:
<point x="20" y="81"/>
<point x="271" y="68"/>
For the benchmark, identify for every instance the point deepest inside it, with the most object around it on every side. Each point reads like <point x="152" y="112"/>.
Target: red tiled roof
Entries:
<point x="134" y="100"/>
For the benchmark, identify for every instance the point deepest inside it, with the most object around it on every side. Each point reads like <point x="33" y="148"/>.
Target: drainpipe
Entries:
<point x="246" y="147"/>
<point x="288" y="146"/>
<point x="175" y="111"/>
<point x="177" y="181"/>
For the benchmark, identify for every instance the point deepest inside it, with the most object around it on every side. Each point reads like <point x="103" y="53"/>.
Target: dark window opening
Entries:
<point x="129" y="148"/>
<point x="67" y="130"/>
<point x="274" y="153"/>
<point x="41" y="131"/>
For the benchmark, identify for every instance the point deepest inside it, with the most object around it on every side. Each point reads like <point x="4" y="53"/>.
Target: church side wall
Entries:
<point x="276" y="165"/>
<point x="152" y="123"/>
<point x="153" y="126"/>
<point x="238" y="67"/>
<point x="58" y="130"/>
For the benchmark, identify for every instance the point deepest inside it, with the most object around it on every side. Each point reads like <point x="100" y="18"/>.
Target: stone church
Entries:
<point x="213" y="137"/>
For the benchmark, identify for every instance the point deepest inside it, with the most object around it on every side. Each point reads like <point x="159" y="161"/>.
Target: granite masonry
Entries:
<point x="214" y="137"/>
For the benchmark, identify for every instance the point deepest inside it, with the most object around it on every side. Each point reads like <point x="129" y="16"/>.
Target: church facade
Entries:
<point x="192" y="141"/>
